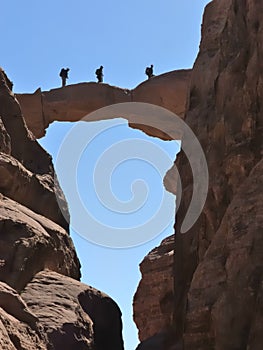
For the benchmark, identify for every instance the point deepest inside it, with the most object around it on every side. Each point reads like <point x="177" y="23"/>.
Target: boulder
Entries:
<point x="29" y="243"/>
<point x="74" y="315"/>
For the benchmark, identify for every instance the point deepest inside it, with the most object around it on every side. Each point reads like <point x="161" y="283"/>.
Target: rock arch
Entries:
<point x="73" y="102"/>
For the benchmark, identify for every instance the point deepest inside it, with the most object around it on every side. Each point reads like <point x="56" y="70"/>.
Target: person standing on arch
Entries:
<point x="149" y="71"/>
<point x="99" y="74"/>
<point x="64" y="75"/>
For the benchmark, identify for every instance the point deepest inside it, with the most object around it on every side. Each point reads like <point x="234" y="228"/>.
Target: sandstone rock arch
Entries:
<point x="73" y="102"/>
<point x="159" y="101"/>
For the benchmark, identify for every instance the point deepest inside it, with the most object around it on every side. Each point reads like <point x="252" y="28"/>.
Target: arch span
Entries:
<point x="73" y="102"/>
<point x="96" y="102"/>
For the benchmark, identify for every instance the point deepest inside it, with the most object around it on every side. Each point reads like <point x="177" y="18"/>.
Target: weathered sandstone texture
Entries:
<point x="218" y="266"/>
<point x="73" y="315"/>
<point x="74" y="102"/>
<point x="42" y="303"/>
<point x="24" y="231"/>
<point x="154" y="294"/>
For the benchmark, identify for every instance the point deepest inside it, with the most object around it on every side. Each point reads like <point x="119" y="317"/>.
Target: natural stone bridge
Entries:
<point x="159" y="109"/>
<point x="74" y="102"/>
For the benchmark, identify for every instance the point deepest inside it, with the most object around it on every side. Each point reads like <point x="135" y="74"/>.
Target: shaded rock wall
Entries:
<point x="218" y="264"/>
<point x="42" y="304"/>
<point x="218" y="267"/>
<point x="153" y="301"/>
<point x="25" y="166"/>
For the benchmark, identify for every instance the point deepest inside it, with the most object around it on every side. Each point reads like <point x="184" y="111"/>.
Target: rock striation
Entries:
<point x="72" y="314"/>
<point x="218" y="264"/>
<point x="42" y="303"/>
<point x="154" y="295"/>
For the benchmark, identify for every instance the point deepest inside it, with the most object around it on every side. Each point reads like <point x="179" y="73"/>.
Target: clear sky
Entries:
<point x="39" y="38"/>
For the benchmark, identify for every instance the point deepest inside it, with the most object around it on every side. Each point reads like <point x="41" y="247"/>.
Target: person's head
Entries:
<point x="101" y="67"/>
<point x="151" y="65"/>
<point x="67" y="69"/>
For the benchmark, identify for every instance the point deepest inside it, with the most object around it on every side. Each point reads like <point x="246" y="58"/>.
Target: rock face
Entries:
<point x="225" y="298"/>
<point x="42" y="304"/>
<point x="154" y="294"/>
<point x="77" y="316"/>
<point x="218" y="263"/>
<point x="23" y="231"/>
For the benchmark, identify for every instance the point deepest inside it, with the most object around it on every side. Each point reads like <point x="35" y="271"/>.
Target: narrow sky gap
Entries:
<point x="115" y="271"/>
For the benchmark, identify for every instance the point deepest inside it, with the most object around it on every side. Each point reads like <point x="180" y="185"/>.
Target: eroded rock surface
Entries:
<point x="218" y="264"/>
<point x="13" y="304"/>
<point x="74" y="315"/>
<point x="225" y="300"/>
<point x="153" y="301"/>
<point x="24" y="186"/>
<point x="5" y="144"/>
<point x="21" y="150"/>
<point x="218" y="268"/>
<point x="30" y="243"/>
<point x="15" y="334"/>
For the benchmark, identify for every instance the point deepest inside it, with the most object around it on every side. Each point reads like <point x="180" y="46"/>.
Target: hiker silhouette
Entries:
<point x="149" y="71"/>
<point x="64" y="75"/>
<point x="99" y="74"/>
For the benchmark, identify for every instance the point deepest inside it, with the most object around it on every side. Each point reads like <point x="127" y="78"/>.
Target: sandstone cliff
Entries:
<point x="42" y="303"/>
<point x="217" y="269"/>
<point x="153" y="301"/>
<point x="218" y="264"/>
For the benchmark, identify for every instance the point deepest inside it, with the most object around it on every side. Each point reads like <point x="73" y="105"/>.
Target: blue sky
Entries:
<point x="39" y="38"/>
<point x="114" y="271"/>
<point x="123" y="36"/>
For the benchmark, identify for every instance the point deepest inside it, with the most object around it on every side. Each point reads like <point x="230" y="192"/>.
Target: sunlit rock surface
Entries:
<point x="74" y="102"/>
<point x="154" y="295"/>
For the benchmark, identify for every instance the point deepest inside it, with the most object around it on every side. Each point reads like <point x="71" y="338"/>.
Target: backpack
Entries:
<point x="148" y="71"/>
